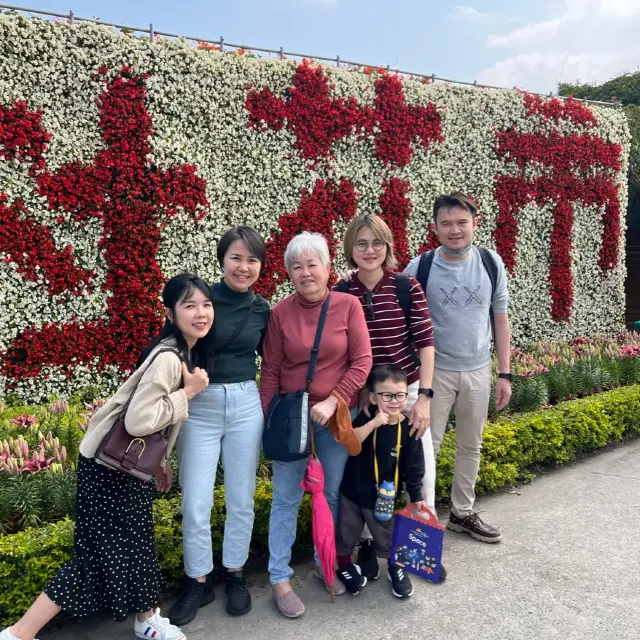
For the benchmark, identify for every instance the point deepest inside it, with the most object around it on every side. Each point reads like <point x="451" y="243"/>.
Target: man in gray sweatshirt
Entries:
<point x="466" y="289"/>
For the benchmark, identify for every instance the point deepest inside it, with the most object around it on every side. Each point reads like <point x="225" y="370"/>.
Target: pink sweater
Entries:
<point x="344" y="356"/>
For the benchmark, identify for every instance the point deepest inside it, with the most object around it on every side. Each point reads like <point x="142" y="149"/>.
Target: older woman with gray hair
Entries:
<point x="344" y="361"/>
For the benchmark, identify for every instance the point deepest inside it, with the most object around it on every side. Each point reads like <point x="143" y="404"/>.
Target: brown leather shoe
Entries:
<point x="475" y="527"/>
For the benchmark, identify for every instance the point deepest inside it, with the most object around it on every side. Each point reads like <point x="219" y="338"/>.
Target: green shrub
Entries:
<point x="34" y="499"/>
<point x="529" y="393"/>
<point x="512" y="447"/>
<point x="29" y="559"/>
<point x="514" y="444"/>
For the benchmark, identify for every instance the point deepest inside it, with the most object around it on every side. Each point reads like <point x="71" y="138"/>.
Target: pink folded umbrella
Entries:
<point x="324" y="533"/>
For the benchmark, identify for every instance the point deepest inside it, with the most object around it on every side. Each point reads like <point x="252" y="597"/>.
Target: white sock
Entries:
<point x="11" y="636"/>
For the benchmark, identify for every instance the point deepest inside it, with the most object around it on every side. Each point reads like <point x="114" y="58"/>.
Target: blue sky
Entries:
<point x="531" y="44"/>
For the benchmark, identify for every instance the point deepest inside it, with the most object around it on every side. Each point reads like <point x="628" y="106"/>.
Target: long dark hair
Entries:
<point x="179" y="288"/>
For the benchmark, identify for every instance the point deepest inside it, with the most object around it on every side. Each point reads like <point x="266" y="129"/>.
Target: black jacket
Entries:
<point x="359" y="482"/>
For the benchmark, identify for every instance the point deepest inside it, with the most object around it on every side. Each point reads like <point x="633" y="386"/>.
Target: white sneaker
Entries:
<point x="7" y="635"/>
<point x="156" y="627"/>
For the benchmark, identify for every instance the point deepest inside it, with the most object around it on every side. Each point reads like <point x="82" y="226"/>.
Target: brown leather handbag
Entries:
<point x="138" y="456"/>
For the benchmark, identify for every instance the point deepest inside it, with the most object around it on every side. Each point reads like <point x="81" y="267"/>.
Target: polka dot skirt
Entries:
<point x="114" y="568"/>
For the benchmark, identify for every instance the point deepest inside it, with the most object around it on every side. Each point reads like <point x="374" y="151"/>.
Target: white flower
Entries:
<point x="197" y="109"/>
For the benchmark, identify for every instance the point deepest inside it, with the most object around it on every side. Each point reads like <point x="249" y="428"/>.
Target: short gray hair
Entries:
<point x="306" y="242"/>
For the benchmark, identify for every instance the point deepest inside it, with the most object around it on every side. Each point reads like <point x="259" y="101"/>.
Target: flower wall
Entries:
<point x="123" y="160"/>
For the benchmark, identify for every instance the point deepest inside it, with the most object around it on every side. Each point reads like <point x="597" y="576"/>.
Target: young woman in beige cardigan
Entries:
<point x="114" y="568"/>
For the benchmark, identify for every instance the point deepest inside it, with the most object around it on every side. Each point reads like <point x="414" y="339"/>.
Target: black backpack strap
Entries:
<point x="424" y="268"/>
<point x="403" y="291"/>
<point x="342" y="286"/>
<point x="491" y="268"/>
<point x="316" y="344"/>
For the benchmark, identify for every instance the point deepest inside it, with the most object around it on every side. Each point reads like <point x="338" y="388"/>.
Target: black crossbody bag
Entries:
<point x="287" y="433"/>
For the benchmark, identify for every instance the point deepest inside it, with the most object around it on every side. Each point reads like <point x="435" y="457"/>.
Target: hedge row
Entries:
<point x="30" y="558"/>
<point x="512" y="446"/>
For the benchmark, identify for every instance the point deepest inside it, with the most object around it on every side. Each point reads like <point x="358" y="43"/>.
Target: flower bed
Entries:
<point x="39" y="445"/>
<point x="122" y="160"/>
<point x="546" y="373"/>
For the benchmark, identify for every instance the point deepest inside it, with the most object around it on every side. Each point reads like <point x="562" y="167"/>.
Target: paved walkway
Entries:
<point x="568" y="567"/>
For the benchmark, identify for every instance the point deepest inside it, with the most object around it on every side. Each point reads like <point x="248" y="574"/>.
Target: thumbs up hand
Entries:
<point x="195" y="382"/>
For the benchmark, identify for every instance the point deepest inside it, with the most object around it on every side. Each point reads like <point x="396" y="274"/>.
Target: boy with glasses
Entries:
<point x="390" y="458"/>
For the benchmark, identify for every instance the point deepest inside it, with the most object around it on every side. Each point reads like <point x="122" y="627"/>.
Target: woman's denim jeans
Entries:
<point x="225" y="418"/>
<point x="287" y="495"/>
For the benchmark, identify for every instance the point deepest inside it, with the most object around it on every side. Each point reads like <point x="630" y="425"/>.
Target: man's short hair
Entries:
<point x="455" y="199"/>
<point x="383" y="373"/>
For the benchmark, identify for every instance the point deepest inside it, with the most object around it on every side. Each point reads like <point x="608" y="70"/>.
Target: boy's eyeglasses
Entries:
<point x="376" y="245"/>
<point x="388" y="397"/>
<point x="367" y="298"/>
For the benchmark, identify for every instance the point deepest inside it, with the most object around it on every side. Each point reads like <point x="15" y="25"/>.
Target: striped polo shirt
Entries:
<point x="387" y="325"/>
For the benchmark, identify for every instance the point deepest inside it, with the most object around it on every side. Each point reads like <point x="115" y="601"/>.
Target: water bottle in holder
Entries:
<point x="386" y="501"/>
<point x="387" y="490"/>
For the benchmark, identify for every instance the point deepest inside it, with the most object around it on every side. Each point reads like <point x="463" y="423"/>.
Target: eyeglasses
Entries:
<point x="401" y="396"/>
<point x="376" y="245"/>
<point x="367" y="299"/>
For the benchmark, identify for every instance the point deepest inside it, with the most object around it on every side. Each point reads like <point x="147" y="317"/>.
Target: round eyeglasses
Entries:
<point x="363" y="245"/>
<point x="401" y="396"/>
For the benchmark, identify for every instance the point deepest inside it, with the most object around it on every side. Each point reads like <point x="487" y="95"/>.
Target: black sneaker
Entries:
<point x="351" y="578"/>
<point x="401" y="586"/>
<point x="368" y="561"/>
<point x="443" y="574"/>
<point x="195" y="595"/>
<point x="238" y="596"/>
<point x="474" y="526"/>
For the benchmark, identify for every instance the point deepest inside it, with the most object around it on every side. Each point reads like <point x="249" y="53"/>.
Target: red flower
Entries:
<point x="317" y="121"/>
<point x="569" y="177"/>
<point x="556" y="110"/>
<point x="400" y="124"/>
<point x="317" y="211"/>
<point x="396" y="209"/>
<point x="129" y="195"/>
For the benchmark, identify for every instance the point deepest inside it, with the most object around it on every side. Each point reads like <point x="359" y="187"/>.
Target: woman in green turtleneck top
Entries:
<point x="226" y="418"/>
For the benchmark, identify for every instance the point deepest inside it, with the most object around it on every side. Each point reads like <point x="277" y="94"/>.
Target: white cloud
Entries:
<point x="585" y="40"/>
<point x="466" y="12"/>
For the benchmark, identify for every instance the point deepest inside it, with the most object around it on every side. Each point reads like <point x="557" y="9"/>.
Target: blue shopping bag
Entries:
<point x="418" y="538"/>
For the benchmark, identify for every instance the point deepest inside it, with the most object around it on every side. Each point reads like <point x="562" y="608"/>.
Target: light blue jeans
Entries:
<point x="287" y="495"/>
<point x="225" y="418"/>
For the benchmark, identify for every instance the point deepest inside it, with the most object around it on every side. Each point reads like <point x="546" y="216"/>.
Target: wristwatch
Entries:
<point x="425" y="392"/>
<point x="506" y="376"/>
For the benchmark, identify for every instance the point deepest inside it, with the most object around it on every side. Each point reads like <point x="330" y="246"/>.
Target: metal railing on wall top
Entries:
<point x="72" y="18"/>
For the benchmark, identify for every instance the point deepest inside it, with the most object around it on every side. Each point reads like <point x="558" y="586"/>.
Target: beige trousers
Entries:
<point x="429" y="479"/>
<point x="468" y="393"/>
